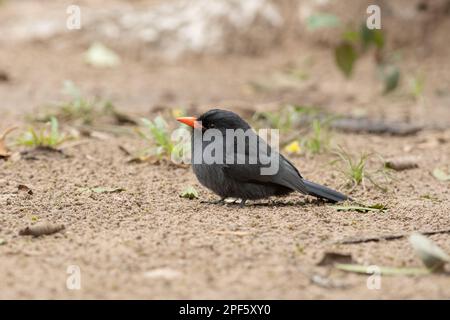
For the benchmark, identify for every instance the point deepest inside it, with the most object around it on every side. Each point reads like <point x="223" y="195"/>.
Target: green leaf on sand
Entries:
<point x="371" y="36"/>
<point x="189" y="193"/>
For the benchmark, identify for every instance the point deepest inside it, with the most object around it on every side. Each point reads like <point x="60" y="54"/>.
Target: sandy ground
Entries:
<point x="269" y="249"/>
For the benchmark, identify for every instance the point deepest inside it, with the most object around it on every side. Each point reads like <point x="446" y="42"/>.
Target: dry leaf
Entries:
<point x="43" y="228"/>
<point x="441" y="175"/>
<point x="122" y="118"/>
<point x="332" y="258"/>
<point x="361" y="207"/>
<point x="107" y="190"/>
<point x="433" y="257"/>
<point x="387" y="271"/>
<point x="24" y="188"/>
<point x="4" y="151"/>
<point x="4" y="77"/>
<point x="402" y="163"/>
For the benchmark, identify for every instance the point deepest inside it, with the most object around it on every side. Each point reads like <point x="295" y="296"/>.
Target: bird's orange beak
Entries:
<point x="190" y="121"/>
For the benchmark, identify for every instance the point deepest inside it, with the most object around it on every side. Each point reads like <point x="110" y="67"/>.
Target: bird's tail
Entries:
<point x="320" y="191"/>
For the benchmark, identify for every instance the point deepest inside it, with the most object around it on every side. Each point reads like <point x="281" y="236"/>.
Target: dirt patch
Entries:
<point x="146" y="242"/>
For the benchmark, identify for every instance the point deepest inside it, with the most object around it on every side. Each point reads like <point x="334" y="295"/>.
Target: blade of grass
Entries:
<point x="387" y="271"/>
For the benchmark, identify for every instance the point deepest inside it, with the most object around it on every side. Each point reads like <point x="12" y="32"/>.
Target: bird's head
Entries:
<point x="216" y="119"/>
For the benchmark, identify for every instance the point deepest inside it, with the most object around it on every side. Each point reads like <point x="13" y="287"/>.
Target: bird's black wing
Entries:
<point x="286" y="175"/>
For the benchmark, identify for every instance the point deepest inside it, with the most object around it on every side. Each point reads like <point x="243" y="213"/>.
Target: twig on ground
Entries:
<point x="389" y="237"/>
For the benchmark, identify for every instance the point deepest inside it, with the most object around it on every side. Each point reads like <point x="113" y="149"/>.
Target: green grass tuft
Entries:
<point x="318" y="141"/>
<point x="354" y="169"/>
<point x="45" y="137"/>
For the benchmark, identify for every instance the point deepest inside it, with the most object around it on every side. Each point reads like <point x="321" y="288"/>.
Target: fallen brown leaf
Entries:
<point x="43" y="228"/>
<point x="402" y="163"/>
<point x="123" y="119"/>
<point x="4" y="77"/>
<point x="4" y="151"/>
<point x="432" y="256"/>
<point x="106" y="190"/>
<point x="24" y="188"/>
<point x="332" y="258"/>
<point x="441" y="175"/>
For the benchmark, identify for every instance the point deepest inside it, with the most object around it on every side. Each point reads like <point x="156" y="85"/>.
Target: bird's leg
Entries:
<point x="242" y="204"/>
<point x="218" y="201"/>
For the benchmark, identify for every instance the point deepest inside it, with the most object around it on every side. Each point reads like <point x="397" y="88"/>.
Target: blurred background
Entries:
<point x="243" y="55"/>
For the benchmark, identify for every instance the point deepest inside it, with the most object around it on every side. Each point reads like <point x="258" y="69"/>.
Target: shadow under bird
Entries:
<point x="246" y="181"/>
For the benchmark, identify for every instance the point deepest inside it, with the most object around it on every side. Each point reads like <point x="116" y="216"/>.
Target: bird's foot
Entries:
<point x="222" y="201"/>
<point x="234" y="202"/>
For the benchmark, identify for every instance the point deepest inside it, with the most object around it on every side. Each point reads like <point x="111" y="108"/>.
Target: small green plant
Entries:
<point x="166" y="144"/>
<point x="278" y="120"/>
<point x="417" y="85"/>
<point x="44" y="137"/>
<point x="157" y="131"/>
<point x="355" y="43"/>
<point x="283" y="119"/>
<point x="189" y="193"/>
<point x="355" y="171"/>
<point x="78" y="107"/>
<point x="319" y="139"/>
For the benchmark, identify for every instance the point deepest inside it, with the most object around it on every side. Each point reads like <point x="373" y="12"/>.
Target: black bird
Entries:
<point x="245" y="181"/>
